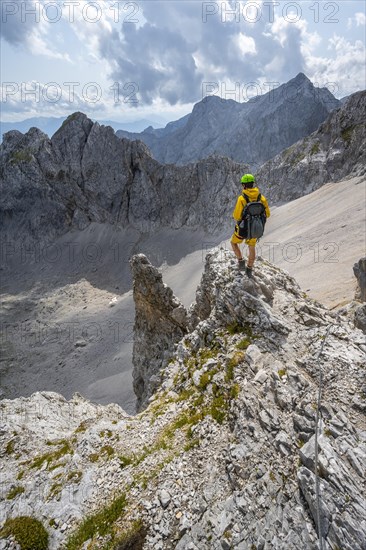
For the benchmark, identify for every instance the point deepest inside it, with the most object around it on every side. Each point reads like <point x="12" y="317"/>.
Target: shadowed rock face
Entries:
<point x="160" y="322"/>
<point x="336" y="150"/>
<point x="359" y="270"/>
<point x="250" y="132"/>
<point x="85" y="173"/>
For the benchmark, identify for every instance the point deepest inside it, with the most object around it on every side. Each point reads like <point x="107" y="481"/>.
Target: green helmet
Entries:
<point x="247" y="178"/>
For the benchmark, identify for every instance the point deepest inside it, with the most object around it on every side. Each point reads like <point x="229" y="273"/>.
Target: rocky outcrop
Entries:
<point x="86" y="174"/>
<point x="223" y="455"/>
<point x="359" y="270"/>
<point x="251" y="132"/>
<point x="160" y="322"/>
<point x="335" y="151"/>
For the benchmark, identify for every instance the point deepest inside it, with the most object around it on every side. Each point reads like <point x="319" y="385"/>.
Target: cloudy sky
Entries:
<point x="125" y="61"/>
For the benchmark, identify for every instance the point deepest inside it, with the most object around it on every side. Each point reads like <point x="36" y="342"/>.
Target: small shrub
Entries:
<point x="94" y="457"/>
<point x="281" y="372"/>
<point x="28" y="532"/>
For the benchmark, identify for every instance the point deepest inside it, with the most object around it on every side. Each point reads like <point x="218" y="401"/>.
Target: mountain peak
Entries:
<point x="300" y="79"/>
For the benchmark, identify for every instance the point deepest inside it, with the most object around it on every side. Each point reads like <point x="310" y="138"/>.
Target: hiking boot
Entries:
<point x="249" y="272"/>
<point x="241" y="264"/>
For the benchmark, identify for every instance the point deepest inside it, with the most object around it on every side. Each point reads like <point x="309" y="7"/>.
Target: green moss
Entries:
<point x="82" y="427"/>
<point x="243" y="344"/>
<point x="235" y="360"/>
<point x="272" y="476"/>
<point x="94" y="457"/>
<point x="205" y="379"/>
<point x="20" y="475"/>
<point x="282" y="372"/>
<point x="191" y="444"/>
<point x="300" y="443"/>
<point x="23" y="155"/>
<point x="347" y="133"/>
<point x="106" y="433"/>
<point x="236" y="328"/>
<point x="52" y="522"/>
<point x="218" y="409"/>
<point x="315" y="148"/>
<point x="234" y="391"/>
<point x="100" y="523"/>
<point x="327" y="432"/>
<point x="298" y="158"/>
<point x="75" y="476"/>
<point x="55" y="490"/>
<point x="125" y="460"/>
<point x="57" y="465"/>
<point x="64" y="449"/>
<point x="14" y="492"/>
<point x="28" y="532"/>
<point x="9" y="449"/>
<point x="108" y="450"/>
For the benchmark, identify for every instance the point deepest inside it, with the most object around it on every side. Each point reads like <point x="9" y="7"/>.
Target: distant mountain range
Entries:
<point x="85" y="173"/>
<point x="250" y="132"/>
<point x="50" y="125"/>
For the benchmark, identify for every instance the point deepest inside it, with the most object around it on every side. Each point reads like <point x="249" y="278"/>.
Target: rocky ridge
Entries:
<point x="223" y="454"/>
<point x="85" y="174"/>
<point x="335" y="151"/>
<point x="250" y="132"/>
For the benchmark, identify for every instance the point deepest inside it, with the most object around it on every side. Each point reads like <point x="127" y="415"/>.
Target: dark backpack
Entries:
<point x="253" y="219"/>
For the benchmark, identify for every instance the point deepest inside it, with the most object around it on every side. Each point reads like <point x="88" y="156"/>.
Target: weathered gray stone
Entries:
<point x="334" y="151"/>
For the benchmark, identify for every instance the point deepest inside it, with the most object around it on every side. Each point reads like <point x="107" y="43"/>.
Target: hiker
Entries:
<point x="250" y="194"/>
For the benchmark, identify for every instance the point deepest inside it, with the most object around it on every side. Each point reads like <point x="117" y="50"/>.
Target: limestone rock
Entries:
<point x="359" y="270"/>
<point x="216" y="459"/>
<point x="333" y="152"/>
<point x="160" y="322"/>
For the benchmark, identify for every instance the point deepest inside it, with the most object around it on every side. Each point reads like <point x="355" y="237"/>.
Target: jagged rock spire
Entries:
<point x="161" y="321"/>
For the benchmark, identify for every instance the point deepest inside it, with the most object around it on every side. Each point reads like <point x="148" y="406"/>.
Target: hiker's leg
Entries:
<point x="251" y="251"/>
<point x="235" y="241"/>
<point x="236" y="250"/>
<point x="251" y="256"/>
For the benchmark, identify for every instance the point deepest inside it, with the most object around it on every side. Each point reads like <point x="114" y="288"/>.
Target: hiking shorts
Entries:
<point x="235" y="239"/>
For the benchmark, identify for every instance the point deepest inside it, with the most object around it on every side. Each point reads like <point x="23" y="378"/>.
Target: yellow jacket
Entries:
<point x="241" y="203"/>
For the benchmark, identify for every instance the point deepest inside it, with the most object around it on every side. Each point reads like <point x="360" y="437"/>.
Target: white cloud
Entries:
<point x="360" y="19"/>
<point x="245" y="44"/>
